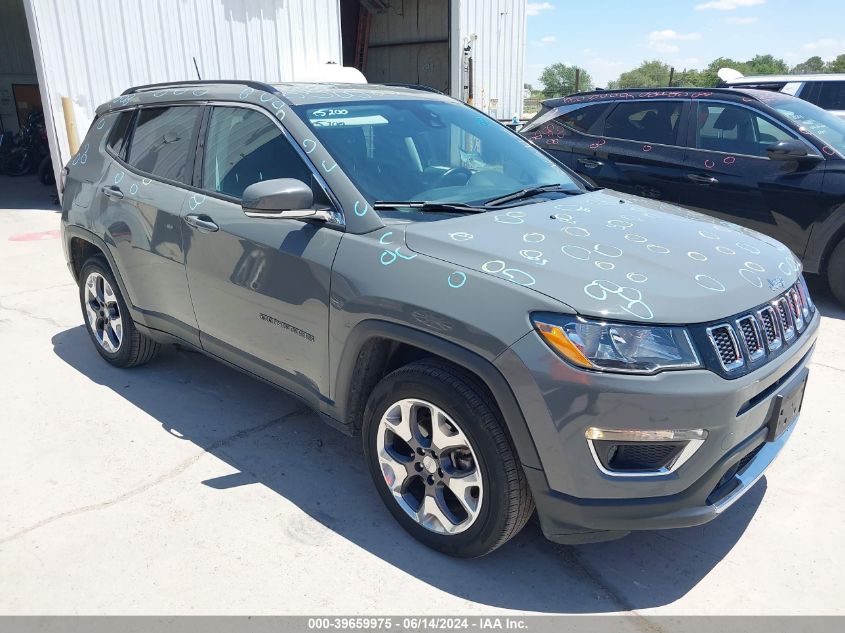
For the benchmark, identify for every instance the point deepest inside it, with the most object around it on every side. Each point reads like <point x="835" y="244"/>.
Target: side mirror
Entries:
<point x="282" y="199"/>
<point x="789" y="150"/>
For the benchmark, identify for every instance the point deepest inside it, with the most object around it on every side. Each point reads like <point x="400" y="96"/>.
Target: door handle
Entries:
<point x="703" y="180"/>
<point x="590" y="164"/>
<point x="202" y="223"/>
<point x="113" y="192"/>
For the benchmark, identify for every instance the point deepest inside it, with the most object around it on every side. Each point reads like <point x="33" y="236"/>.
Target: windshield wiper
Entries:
<point x="434" y="207"/>
<point x="530" y="192"/>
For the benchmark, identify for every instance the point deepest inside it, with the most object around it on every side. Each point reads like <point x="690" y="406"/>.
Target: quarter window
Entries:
<point x="650" y="122"/>
<point x="735" y="130"/>
<point x="117" y="135"/>
<point x="163" y="142"/>
<point x="244" y="147"/>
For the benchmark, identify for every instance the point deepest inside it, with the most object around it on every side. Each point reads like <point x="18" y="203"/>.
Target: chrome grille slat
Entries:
<point x="726" y="345"/>
<point x="749" y="331"/>
<point x="785" y="313"/>
<point x="795" y="303"/>
<point x="769" y="320"/>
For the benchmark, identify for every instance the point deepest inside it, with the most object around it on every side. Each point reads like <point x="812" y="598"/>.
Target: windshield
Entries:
<point x="416" y="150"/>
<point x="811" y="119"/>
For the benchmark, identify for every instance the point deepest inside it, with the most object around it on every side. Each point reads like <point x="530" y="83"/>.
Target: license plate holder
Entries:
<point x="786" y="407"/>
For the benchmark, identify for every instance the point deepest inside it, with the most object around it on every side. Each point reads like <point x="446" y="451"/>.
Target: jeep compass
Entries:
<point x="500" y="334"/>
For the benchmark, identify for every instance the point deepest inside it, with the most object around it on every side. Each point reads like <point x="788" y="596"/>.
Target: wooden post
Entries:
<point x="70" y="125"/>
<point x="577" y="79"/>
<point x="671" y="75"/>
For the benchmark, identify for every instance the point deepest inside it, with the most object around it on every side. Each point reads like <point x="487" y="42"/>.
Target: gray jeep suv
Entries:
<point x="500" y="334"/>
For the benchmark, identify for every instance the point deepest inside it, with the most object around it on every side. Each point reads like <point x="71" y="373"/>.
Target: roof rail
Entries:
<point x="258" y="85"/>
<point x="416" y="87"/>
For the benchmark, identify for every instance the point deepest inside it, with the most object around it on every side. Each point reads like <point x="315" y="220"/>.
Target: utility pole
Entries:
<point x="671" y="75"/>
<point x="577" y="79"/>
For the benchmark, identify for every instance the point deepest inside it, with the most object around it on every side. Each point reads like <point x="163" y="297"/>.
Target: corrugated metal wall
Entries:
<point x="92" y="50"/>
<point x="498" y="53"/>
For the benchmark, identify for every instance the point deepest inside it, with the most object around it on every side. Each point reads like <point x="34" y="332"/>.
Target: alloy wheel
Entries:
<point x="429" y="466"/>
<point x="103" y="312"/>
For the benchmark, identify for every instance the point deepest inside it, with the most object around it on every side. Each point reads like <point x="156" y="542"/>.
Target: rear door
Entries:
<point x="729" y="175"/>
<point x="568" y="132"/>
<point x="638" y="151"/>
<point x="260" y="287"/>
<point x="141" y="197"/>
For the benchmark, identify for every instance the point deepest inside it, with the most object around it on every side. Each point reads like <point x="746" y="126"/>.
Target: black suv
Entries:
<point x="766" y="160"/>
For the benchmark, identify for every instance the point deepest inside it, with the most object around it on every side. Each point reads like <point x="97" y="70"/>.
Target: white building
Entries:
<point x="91" y="50"/>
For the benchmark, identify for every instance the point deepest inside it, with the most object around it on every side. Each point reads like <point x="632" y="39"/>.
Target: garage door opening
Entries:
<point x="399" y="41"/>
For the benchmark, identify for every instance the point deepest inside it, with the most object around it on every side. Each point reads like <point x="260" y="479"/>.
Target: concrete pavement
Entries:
<point x="185" y="487"/>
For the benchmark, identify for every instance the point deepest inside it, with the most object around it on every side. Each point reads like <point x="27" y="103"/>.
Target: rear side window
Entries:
<point x="163" y="142"/>
<point x="244" y="147"/>
<point x="832" y="95"/>
<point x="586" y="119"/>
<point x="647" y="121"/>
<point x="118" y="133"/>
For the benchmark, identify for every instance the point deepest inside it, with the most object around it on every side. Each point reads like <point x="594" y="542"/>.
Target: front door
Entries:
<point x="260" y="287"/>
<point x="729" y="175"/>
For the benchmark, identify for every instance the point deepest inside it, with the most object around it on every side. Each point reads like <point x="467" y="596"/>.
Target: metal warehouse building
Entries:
<point x="72" y="55"/>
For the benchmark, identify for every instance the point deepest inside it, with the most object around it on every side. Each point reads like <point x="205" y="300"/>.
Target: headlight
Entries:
<point x="617" y="347"/>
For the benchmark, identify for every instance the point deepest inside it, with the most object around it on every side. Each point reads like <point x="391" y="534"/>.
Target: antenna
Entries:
<point x="198" y="69"/>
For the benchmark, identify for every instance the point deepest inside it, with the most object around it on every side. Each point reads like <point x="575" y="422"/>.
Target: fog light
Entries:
<point x="642" y="452"/>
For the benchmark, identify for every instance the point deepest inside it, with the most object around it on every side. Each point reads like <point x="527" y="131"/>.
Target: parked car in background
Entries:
<point x="766" y="160"/>
<point x="824" y="90"/>
<point x="498" y="333"/>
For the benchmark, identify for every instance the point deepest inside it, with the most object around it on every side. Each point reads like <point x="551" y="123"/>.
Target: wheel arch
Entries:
<point x="374" y="348"/>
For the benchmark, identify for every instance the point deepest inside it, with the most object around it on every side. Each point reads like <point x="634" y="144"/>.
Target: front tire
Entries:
<point x="442" y="462"/>
<point x="836" y="272"/>
<point x="107" y="318"/>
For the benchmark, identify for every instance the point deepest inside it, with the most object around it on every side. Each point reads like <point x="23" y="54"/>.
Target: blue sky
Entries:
<point x="607" y="37"/>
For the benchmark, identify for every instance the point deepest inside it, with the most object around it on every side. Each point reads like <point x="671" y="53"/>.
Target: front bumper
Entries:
<point x="578" y="503"/>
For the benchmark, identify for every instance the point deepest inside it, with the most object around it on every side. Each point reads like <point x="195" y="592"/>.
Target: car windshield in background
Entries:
<point x="820" y="123"/>
<point x="415" y="150"/>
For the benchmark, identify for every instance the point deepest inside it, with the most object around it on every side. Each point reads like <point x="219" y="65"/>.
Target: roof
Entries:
<point x="657" y="93"/>
<point x="771" y="79"/>
<point x="274" y="96"/>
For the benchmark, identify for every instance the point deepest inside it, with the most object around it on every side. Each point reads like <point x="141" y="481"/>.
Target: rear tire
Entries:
<point x="458" y="488"/>
<point x="836" y="272"/>
<point x="107" y="318"/>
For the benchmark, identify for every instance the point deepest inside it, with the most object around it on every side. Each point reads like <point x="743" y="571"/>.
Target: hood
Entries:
<point x="616" y="256"/>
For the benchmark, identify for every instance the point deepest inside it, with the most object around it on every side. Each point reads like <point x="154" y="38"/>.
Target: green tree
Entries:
<point x="813" y="65"/>
<point x="559" y="80"/>
<point x="837" y="65"/>
<point x="709" y="76"/>
<point x="766" y="65"/>
<point x="649" y="74"/>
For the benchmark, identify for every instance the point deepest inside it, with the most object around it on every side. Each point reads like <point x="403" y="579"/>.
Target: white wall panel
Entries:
<point x="92" y="50"/>
<point x="498" y="53"/>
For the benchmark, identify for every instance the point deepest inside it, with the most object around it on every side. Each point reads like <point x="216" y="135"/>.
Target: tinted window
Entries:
<point x="163" y="142"/>
<point x="735" y="130"/>
<point x="584" y="119"/>
<point x="244" y="147"/>
<point x="117" y="135"/>
<point x="652" y="121"/>
<point x="812" y="121"/>
<point x="832" y="95"/>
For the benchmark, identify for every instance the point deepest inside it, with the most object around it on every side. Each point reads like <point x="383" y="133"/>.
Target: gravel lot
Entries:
<point x="185" y="487"/>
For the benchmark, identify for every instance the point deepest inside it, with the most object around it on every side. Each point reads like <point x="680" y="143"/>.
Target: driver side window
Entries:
<point x="244" y="147"/>
<point x="730" y="129"/>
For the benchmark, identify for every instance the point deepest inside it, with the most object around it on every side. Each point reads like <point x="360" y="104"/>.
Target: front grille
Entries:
<point x="747" y="459"/>
<point x="742" y="343"/>
<point x="727" y="346"/>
